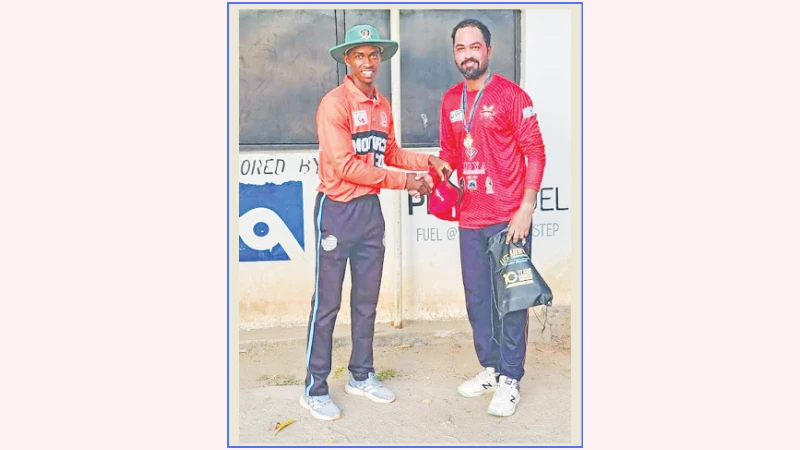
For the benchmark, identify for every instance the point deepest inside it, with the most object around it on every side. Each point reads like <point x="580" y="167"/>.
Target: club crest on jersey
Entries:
<point x="472" y="183"/>
<point x="360" y="117"/>
<point x="457" y="115"/>
<point x="384" y="120"/>
<point x="487" y="112"/>
<point x="527" y="112"/>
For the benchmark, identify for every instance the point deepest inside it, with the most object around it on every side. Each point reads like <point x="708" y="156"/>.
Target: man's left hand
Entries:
<point x="520" y="224"/>
<point x="440" y="166"/>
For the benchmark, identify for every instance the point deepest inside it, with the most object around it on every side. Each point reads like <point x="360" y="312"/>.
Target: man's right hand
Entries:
<point x="428" y="179"/>
<point x="417" y="183"/>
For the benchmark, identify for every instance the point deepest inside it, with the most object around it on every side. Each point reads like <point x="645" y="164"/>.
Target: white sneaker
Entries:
<point x="482" y="383"/>
<point x="370" y="388"/>
<point x="506" y="398"/>
<point x="321" y="407"/>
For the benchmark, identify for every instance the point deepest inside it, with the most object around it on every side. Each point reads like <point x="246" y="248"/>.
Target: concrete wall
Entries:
<point x="422" y="278"/>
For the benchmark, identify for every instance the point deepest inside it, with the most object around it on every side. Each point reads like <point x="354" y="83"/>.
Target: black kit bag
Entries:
<point x="516" y="282"/>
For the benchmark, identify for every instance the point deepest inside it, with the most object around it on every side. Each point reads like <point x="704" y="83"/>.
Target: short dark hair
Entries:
<point x="487" y="36"/>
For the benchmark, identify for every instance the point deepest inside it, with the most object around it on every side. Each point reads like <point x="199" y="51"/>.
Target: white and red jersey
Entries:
<point x="504" y="131"/>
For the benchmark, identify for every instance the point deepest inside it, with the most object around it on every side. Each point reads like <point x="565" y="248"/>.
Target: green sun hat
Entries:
<point x="364" y="35"/>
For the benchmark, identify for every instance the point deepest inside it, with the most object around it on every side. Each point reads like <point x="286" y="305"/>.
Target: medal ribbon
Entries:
<point x="464" y="123"/>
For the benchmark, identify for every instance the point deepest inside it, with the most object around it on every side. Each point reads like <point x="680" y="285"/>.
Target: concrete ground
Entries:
<point x="423" y="364"/>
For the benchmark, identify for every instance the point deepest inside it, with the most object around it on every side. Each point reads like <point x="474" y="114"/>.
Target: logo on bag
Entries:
<point x="513" y="254"/>
<point x="517" y="285"/>
<point x="271" y="222"/>
<point x="518" y="278"/>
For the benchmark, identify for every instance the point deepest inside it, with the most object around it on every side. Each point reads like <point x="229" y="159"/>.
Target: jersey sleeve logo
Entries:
<point x="527" y="112"/>
<point x="457" y="115"/>
<point x="360" y="117"/>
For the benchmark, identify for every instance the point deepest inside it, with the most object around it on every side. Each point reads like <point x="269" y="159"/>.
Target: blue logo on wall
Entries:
<point x="271" y="224"/>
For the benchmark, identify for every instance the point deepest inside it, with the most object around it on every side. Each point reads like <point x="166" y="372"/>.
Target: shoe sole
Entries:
<point x="478" y="394"/>
<point x="314" y="413"/>
<point x="499" y="414"/>
<point x="360" y="393"/>
<point x="493" y="412"/>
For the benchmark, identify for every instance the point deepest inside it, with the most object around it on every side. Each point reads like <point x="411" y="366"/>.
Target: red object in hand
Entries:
<point x="445" y="199"/>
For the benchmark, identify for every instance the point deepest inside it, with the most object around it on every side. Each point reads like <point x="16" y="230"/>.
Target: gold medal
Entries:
<point x="468" y="141"/>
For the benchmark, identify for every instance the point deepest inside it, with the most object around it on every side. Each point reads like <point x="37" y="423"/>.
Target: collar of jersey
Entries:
<point x="351" y="87"/>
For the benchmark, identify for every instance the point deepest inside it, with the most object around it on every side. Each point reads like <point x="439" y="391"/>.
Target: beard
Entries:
<point x="475" y="72"/>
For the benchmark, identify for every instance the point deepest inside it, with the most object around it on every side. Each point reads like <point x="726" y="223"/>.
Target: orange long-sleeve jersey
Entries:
<point x="356" y="141"/>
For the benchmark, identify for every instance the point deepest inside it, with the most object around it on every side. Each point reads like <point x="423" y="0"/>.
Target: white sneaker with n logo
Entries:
<point x="482" y="383"/>
<point x="506" y="398"/>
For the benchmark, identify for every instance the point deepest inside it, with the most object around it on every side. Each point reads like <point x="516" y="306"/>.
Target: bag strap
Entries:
<point x="544" y="325"/>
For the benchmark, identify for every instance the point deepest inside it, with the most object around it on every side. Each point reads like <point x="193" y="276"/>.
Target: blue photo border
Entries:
<point x="227" y="215"/>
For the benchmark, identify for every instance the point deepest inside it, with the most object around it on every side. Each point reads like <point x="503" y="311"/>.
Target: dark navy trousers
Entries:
<point x="345" y="231"/>
<point x="498" y="345"/>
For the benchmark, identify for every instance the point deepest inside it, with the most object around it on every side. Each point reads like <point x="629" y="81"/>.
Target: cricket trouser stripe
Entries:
<point x="525" y="339"/>
<point x="316" y="299"/>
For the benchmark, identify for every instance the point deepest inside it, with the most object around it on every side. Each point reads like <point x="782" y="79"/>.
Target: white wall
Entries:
<point x="546" y="77"/>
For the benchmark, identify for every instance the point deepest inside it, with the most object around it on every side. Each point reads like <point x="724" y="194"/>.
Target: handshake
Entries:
<point x="419" y="184"/>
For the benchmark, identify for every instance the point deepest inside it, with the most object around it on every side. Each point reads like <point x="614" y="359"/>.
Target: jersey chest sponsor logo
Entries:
<point x="473" y="168"/>
<point x="360" y="117"/>
<point x="371" y="142"/>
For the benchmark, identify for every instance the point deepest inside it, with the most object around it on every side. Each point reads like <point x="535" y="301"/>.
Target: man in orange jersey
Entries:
<point x="356" y="139"/>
